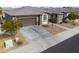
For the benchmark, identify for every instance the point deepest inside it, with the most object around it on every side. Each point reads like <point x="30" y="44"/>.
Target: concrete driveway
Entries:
<point x="38" y="40"/>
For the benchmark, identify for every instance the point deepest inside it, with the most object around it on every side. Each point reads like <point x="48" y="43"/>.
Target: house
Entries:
<point x="58" y="14"/>
<point x="28" y="15"/>
<point x="73" y="9"/>
<point x="37" y="15"/>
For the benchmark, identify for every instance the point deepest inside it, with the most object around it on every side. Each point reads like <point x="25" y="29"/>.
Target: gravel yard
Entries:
<point x="54" y="29"/>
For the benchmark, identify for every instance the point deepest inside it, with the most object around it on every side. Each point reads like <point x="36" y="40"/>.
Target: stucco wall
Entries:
<point x="59" y="18"/>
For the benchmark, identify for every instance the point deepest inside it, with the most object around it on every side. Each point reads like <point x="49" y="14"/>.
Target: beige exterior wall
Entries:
<point x="60" y="18"/>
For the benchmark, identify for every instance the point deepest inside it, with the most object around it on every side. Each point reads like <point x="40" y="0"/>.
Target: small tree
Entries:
<point x="72" y="16"/>
<point x="11" y="26"/>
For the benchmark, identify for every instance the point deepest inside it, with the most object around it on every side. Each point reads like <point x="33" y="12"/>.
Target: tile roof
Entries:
<point x="27" y="10"/>
<point x="24" y="11"/>
<point x="57" y="10"/>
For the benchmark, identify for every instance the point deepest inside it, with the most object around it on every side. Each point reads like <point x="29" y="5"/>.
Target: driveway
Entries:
<point x="38" y="40"/>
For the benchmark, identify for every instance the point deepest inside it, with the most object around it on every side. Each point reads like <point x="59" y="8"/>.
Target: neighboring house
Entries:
<point x="37" y="15"/>
<point x="58" y="14"/>
<point x="73" y="9"/>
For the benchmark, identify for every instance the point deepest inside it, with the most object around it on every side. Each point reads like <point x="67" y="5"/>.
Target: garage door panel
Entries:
<point x="28" y="21"/>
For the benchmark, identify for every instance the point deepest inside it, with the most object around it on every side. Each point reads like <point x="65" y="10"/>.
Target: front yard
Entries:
<point x="54" y="29"/>
<point x="22" y="42"/>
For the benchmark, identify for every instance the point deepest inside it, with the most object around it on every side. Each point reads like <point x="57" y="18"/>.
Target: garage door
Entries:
<point x="28" y="21"/>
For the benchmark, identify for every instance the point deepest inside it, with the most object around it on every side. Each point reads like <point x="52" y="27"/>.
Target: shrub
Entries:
<point x="19" y="43"/>
<point x="72" y="16"/>
<point x="11" y="26"/>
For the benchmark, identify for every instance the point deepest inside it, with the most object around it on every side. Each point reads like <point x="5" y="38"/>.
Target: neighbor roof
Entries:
<point x="73" y="9"/>
<point x="57" y="10"/>
<point x="54" y="10"/>
<point x="76" y="9"/>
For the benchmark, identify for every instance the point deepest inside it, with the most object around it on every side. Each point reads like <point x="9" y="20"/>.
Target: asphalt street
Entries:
<point x="70" y="45"/>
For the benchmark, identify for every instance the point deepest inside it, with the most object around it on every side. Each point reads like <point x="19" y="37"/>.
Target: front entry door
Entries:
<point x="45" y="19"/>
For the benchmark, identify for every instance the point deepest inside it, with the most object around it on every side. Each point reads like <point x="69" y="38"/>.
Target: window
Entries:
<point x="44" y="17"/>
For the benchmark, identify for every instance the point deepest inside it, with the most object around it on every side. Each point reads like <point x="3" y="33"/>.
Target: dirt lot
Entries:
<point x="54" y="29"/>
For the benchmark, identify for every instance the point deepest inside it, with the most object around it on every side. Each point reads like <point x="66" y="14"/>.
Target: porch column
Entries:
<point x="38" y="20"/>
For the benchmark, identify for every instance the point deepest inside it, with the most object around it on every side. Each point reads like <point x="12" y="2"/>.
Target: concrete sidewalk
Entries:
<point x="41" y="44"/>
